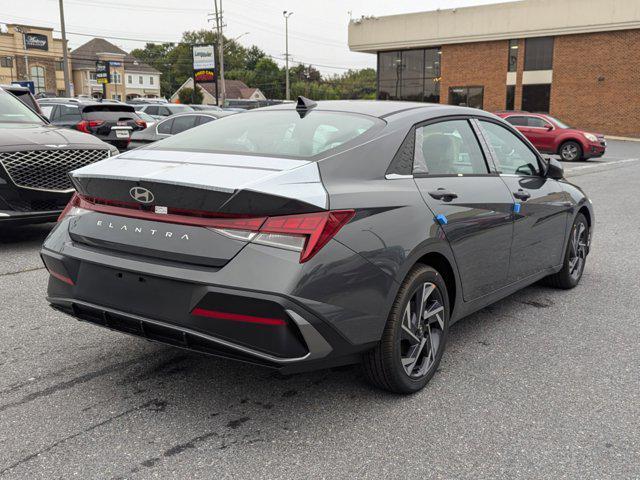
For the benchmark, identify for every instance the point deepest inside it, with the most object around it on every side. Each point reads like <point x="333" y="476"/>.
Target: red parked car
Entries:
<point x="550" y="135"/>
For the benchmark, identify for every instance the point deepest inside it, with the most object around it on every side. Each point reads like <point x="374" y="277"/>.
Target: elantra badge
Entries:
<point x="141" y="194"/>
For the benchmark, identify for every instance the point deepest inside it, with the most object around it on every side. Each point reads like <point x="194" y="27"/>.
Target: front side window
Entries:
<point x="538" y="53"/>
<point x="275" y="132"/>
<point x="511" y="154"/>
<point x="537" y="122"/>
<point x="448" y="148"/>
<point x="37" y="77"/>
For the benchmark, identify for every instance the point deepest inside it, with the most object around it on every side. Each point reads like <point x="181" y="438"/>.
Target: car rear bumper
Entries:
<point x="271" y="329"/>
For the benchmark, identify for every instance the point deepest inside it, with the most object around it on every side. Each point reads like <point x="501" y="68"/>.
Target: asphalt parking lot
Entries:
<point x="544" y="384"/>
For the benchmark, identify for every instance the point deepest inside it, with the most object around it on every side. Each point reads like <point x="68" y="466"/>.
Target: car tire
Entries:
<point x="409" y="351"/>
<point x="571" y="151"/>
<point x="575" y="256"/>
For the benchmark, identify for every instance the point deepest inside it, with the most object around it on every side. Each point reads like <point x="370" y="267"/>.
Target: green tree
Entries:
<point x="269" y="78"/>
<point x="189" y="95"/>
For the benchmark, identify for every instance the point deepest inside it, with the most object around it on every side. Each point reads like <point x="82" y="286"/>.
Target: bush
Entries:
<point x="187" y="95"/>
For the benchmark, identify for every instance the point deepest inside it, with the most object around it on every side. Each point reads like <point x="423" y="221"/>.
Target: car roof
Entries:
<point x="374" y="108"/>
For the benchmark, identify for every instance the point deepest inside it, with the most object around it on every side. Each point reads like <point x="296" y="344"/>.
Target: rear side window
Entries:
<point x="152" y="110"/>
<point x="202" y="119"/>
<point x="537" y="122"/>
<point x="46" y="110"/>
<point x="165" y="127"/>
<point x="511" y="154"/>
<point x="448" y="148"/>
<point x="275" y="132"/>
<point x="180" y="124"/>
<point x="68" y="113"/>
<point x="518" y="121"/>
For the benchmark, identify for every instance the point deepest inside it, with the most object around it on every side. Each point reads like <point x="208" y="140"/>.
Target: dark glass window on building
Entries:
<point x="513" y="55"/>
<point x="59" y="66"/>
<point x="536" y="98"/>
<point x="538" y="53"/>
<point x="6" y="62"/>
<point x="466" y="96"/>
<point x="511" y="97"/>
<point x="412" y="75"/>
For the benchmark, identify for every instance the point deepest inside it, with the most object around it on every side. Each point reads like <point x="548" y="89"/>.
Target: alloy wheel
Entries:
<point x="570" y="152"/>
<point x="578" y="251"/>
<point x="422" y="330"/>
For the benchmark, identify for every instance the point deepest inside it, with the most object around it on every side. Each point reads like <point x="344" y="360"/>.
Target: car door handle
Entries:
<point x="522" y="195"/>
<point x="443" y="194"/>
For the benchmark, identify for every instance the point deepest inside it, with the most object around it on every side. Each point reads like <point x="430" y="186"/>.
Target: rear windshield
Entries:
<point x="276" y="132"/>
<point x="13" y="110"/>
<point x="108" y="115"/>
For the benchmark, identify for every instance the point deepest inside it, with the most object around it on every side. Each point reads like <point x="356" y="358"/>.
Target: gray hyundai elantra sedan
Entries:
<point x="312" y="235"/>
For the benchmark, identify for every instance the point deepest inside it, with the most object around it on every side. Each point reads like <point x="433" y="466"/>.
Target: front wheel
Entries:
<point x="414" y="338"/>
<point x="575" y="256"/>
<point x="571" y="151"/>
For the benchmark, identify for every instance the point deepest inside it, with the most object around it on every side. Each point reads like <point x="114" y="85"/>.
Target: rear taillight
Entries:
<point x="73" y="208"/>
<point x="141" y="123"/>
<point x="306" y="233"/>
<point x="86" y="125"/>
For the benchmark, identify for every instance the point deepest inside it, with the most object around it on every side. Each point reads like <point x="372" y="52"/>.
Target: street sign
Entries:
<point x="103" y="72"/>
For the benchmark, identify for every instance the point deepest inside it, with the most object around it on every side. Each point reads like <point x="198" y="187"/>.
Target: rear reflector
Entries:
<point x="61" y="277"/>
<point x="306" y="233"/>
<point x="237" y="317"/>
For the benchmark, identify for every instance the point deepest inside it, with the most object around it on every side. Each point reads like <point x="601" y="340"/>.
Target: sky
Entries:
<point x="317" y="28"/>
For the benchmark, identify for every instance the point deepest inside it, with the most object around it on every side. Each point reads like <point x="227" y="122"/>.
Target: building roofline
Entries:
<point x="498" y="21"/>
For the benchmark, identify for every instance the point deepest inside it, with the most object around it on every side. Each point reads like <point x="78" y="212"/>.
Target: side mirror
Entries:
<point x="554" y="169"/>
<point x="549" y="128"/>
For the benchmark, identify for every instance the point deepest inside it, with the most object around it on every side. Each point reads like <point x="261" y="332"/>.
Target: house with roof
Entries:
<point x="130" y="77"/>
<point x="235" y="90"/>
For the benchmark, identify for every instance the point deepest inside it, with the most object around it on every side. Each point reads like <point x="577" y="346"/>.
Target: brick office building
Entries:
<point x="576" y="59"/>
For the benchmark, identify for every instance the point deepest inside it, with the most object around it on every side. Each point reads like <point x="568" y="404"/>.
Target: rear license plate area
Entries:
<point x="142" y="295"/>
<point x="122" y="133"/>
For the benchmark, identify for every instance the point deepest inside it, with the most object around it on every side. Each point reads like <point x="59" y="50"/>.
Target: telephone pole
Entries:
<point x="65" y="56"/>
<point x="286" y="55"/>
<point x="219" y="25"/>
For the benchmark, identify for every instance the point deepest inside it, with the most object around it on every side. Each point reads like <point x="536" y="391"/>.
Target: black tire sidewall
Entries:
<point x="417" y="276"/>
<point x="580" y="218"/>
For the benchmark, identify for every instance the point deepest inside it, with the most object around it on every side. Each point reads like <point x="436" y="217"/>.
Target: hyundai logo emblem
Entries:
<point x="141" y="194"/>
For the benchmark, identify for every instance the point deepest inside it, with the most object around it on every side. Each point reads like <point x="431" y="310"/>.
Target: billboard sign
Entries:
<point x="36" y="41"/>
<point x="203" y="57"/>
<point x="103" y="72"/>
<point x="204" y="76"/>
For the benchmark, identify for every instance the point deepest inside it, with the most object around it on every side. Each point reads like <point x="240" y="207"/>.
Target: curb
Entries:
<point x="624" y="139"/>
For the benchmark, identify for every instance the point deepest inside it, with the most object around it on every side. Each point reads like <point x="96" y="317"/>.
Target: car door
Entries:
<point x="540" y="133"/>
<point x="541" y="204"/>
<point x="468" y="199"/>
